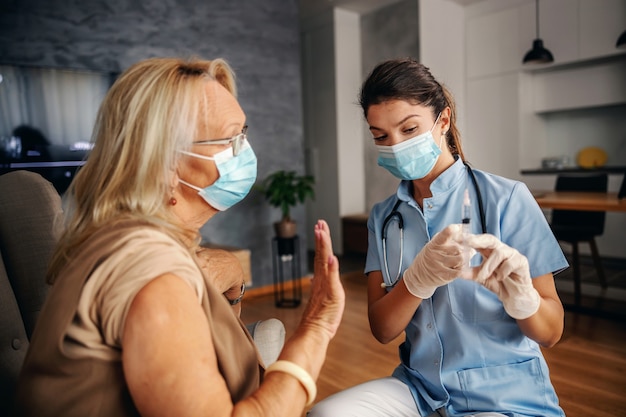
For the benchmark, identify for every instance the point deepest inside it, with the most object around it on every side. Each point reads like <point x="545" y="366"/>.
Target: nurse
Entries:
<point x="472" y="334"/>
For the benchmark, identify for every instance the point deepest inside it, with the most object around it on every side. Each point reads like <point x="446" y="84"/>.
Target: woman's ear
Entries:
<point x="174" y="179"/>
<point x="445" y="120"/>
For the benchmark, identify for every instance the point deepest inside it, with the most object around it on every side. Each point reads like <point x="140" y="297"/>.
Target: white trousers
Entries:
<point x="385" y="397"/>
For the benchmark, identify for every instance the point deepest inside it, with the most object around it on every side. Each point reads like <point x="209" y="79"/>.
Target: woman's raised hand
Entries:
<point x="327" y="301"/>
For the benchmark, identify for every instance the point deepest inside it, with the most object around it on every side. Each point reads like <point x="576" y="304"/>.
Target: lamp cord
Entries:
<point x="537" y="17"/>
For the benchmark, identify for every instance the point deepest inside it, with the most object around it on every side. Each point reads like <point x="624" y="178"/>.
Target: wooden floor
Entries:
<point x="588" y="366"/>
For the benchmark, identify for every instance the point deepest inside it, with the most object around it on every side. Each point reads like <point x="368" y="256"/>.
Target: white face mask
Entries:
<point x="412" y="159"/>
<point x="237" y="175"/>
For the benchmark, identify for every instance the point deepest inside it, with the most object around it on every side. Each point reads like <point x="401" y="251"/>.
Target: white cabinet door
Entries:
<point x="601" y="22"/>
<point x="558" y="27"/>
<point x="578" y="87"/>
<point x="578" y="30"/>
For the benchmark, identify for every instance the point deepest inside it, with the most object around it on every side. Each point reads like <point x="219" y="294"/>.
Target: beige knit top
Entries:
<point x="73" y="366"/>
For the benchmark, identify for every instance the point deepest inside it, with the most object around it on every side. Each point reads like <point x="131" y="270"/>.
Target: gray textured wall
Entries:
<point x="260" y="39"/>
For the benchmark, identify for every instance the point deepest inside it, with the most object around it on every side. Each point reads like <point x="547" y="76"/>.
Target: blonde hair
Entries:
<point x="151" y="111"/>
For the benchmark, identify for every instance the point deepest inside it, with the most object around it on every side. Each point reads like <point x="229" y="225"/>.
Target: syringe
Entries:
<point x="466" y="211"/>
<point x="466" y="226"/>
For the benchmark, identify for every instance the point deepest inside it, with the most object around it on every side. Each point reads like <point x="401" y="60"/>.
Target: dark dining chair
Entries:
<point x="572" y="226"/>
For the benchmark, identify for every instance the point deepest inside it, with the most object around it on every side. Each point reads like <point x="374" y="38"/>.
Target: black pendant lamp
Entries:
<point x="538" y="54"/>
<point x="621" y="41"/>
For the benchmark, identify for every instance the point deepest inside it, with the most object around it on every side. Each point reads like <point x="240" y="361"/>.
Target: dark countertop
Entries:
<point x="574" y="170"/>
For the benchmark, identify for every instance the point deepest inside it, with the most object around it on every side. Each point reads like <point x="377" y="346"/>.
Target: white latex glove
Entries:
<point x="504" y="271"/>
<point x="439" y="262"/>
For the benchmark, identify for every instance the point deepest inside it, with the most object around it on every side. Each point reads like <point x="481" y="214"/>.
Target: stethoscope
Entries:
<point x="397" y="216"/>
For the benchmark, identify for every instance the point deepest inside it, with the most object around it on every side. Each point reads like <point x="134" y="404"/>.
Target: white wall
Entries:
<point x="320" y="123"/>
<point x="350" y="141"/>
<point x="442" y="47"/>
<point x="333" y="134"/>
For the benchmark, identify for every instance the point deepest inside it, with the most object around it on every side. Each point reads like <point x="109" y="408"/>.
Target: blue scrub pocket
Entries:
<point x="517" y="386"/>
<point x="472" y="303"/>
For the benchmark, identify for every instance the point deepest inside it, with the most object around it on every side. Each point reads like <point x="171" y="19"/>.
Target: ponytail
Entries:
<point x="453" y="136"/>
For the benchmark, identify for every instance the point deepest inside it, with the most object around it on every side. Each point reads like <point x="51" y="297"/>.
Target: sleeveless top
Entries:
<point x="74" y="369"/>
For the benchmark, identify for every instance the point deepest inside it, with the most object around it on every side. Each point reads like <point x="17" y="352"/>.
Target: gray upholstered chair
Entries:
<point x="30" y="222"/>
<point x="29" y="210"/>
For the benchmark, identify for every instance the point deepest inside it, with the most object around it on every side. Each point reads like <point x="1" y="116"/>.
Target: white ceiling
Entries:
<point x="310" y="8"/>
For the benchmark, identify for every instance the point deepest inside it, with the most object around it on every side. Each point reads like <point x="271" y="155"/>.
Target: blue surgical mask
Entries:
<point x="412" y="159"/>
<point x="237" y="175"/>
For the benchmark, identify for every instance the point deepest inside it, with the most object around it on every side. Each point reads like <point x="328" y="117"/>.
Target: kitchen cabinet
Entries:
<point x="600" y="24"/>
<point x="581" y="30"/>
<point x="592" y="83"/>
<point x="588" y="71"/>
<point x="559" y="29"/>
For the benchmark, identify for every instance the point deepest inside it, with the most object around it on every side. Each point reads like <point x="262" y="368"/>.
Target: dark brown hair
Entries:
<point x="408" y="80"/>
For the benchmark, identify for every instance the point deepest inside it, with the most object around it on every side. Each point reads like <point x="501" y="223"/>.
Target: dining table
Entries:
<point x="579" y="200"/>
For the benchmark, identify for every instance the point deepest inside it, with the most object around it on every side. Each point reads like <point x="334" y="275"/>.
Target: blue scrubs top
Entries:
<point x="462" y="351"/>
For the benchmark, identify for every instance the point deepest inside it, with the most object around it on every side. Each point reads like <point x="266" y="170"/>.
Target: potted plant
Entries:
<point x="284" y="189"/>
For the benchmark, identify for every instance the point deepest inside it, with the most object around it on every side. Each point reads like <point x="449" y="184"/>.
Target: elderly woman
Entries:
<point x="134" y="324"/>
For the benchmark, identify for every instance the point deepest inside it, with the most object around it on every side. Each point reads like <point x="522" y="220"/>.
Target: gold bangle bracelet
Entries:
<point x="298" y="373"/>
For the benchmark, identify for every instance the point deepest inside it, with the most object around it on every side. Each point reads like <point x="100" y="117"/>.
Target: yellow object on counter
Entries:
<point x="591" y="157"/>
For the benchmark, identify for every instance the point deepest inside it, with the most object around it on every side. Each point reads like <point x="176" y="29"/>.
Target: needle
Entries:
<point x="465" y="224"/>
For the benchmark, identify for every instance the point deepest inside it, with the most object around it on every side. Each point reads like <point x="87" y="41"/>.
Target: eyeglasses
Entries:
<point x="235" y="142"/>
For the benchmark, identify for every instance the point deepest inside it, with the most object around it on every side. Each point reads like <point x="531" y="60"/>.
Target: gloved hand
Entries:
<point x="439" y="262"/>
<point x="504" y="271"/>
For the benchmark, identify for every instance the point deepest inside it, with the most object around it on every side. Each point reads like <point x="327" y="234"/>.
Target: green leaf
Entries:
<point x="285" y="189"/>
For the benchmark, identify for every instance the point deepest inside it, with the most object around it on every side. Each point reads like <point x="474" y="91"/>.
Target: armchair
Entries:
<point x="29" y="208"/>
<point x="30" y="220"/>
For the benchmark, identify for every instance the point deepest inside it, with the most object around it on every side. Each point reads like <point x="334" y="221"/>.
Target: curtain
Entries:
<point x="61" y="104"/>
